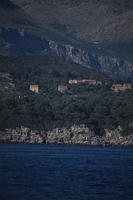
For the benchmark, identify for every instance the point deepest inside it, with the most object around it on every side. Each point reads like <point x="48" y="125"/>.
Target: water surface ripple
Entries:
<point x="53" y="172"/>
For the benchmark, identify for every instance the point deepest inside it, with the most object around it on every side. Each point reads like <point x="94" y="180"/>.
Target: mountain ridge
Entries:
<point x="99" y="28"/>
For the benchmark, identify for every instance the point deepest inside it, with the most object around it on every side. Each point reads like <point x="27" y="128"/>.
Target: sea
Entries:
<point x="65" y="172"/>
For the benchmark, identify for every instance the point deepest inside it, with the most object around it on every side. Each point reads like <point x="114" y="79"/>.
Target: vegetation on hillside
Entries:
<point x="96" y="106"/>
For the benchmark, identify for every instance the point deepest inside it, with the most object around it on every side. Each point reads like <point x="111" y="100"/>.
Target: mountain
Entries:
<point x="93" y="33"/>
<point x="7" y="5"/>
<point x="88" y="20"/>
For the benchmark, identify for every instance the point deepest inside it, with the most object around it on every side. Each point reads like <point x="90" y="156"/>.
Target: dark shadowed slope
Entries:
<point x="90" y="32"/>
<point x="8" y="4"/>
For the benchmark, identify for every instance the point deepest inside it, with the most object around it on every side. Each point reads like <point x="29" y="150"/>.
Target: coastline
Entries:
<point x="75" y="135"/>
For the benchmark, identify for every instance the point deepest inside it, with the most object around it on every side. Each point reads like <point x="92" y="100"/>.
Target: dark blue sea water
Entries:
<point x="34" y="172"/>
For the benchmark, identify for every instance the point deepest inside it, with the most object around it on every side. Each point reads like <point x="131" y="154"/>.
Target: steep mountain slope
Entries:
<point x="100" y="31"/>
<point x="95" y="21"/>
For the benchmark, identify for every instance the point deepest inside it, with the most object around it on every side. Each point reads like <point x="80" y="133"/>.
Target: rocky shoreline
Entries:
<point x="74" y="135"/>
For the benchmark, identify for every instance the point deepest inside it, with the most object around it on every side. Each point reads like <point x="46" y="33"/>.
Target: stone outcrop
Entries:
<point x="106" y="64"/>
<point x="103" y="27"/>
<point x="74" y="135"/>
<point x="22" y="135"/>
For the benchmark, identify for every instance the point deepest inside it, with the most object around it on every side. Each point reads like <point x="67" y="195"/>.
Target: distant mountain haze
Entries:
<point x="93" y="20"/>
<point x="81" y="30"/>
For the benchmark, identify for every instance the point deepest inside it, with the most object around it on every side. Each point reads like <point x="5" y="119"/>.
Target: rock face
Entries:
<point x="22" y="135"/>
<point x="74" y="135"/>
<point x="16" y="42"/>
<point x="30" y="26"/>
<point x="106" y="64"/>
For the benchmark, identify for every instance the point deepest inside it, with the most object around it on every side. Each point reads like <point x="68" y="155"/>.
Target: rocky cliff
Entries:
<point x="106" y="64"/>
<point x="90" y="32"/>
<point x="18" y="41"/>
<point x="74" y="135"/>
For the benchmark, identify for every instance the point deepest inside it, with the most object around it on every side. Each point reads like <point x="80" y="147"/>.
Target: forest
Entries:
<point x="99" y="107"/>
